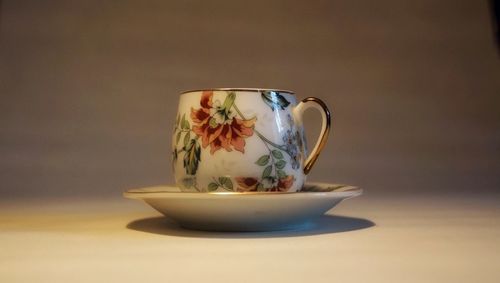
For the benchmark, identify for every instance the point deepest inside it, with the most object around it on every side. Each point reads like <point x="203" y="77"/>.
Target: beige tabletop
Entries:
<point x="392" y="239"/>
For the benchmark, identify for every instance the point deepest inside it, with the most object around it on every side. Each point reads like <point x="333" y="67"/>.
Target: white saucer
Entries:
<point x="244" y="211"/>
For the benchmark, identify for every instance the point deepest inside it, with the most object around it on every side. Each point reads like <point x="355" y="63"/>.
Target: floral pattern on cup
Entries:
<point x="222" y="126"/>
<point x="219" y="126"/>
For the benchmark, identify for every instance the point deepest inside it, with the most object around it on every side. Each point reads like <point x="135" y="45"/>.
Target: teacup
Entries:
<point x="243" y="140"/>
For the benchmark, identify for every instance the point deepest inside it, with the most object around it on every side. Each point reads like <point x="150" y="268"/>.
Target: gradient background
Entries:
<point x="89" y="89"/>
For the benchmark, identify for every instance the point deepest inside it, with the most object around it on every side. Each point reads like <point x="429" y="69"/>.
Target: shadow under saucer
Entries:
<point x="325" y="224"/>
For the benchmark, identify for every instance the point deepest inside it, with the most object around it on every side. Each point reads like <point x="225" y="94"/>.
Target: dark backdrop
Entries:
<point x="89" y="88"/>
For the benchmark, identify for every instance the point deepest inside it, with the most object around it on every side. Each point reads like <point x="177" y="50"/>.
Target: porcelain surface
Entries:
<point x="242" y="140"/>
<point x="225" y="211"/>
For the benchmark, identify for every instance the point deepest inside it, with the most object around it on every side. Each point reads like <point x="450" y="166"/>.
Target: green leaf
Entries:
<point x="263" y="160"/>
<point x="277" y="154"/>
<point x="212" y="187"/>
<point x="267" y="171"/>
<point x="229" y="101"/>
<point x="187" y="136"/>
<point x="185" y="123"/>
<point x="183" y="120"/>
<point x="280" y="164"/>
<point x="274" y="100"/>
<point x="188" y="182"/>
<point x="226" y="183"/>
<point x="192" y="157"/>
<point x="178" y="137"/>
<point x="260" y="187"/>
<point x="229" y="185"/>
<point x="281" y="174"/>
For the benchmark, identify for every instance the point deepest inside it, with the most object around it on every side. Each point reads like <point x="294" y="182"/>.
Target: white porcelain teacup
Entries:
<point x="243" y="140"/>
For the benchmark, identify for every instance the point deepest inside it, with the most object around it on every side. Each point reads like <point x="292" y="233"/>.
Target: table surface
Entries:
<point x="392" y="239"/>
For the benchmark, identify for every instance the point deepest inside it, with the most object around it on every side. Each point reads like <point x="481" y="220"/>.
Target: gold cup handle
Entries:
<point x="316" y="103"/>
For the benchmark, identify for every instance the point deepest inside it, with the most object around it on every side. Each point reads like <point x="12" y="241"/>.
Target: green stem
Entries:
<point x="268" y="141"/>
<point x="261" y="136"/>
<point x="239" y="112"/>
<point x="273" y="164"/>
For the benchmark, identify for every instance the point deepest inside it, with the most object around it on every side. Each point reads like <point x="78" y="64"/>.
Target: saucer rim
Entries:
<point x="345" y="191"/>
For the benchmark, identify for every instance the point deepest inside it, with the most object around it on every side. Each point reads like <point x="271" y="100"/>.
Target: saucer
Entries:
<point x="253" y="211"/>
